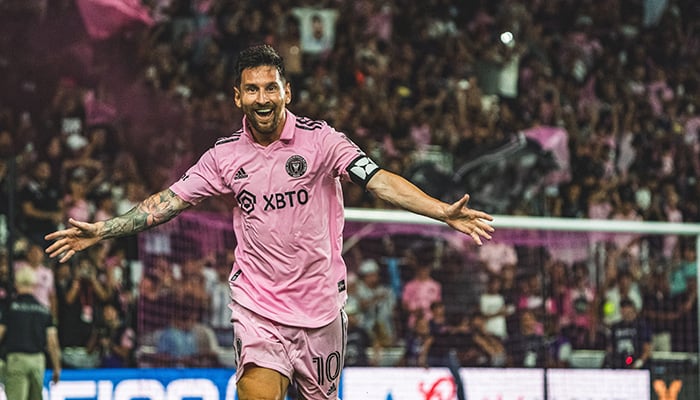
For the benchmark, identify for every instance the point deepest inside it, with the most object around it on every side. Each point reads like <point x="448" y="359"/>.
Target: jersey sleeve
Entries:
<point x="201" y="180"/>
<point x="348" y="161"/>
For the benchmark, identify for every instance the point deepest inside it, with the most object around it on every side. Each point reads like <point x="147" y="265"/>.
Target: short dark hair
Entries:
<point x="626" y="302"/>
<point x="257" y="56"/>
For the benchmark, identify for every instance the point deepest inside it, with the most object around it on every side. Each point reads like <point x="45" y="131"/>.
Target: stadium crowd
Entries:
<point x="90" y="125"/>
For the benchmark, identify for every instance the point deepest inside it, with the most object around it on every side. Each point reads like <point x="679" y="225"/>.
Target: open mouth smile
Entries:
<point x="263" y="112"/>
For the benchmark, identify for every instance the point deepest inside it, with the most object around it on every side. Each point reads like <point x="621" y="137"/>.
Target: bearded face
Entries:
<point x="263" y="96"/>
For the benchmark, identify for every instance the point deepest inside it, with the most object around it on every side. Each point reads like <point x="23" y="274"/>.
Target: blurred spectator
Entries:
<point x="120" y="273"/>
<point x="445" y="339"/>
<point x="626" y="249"/>
<point x="358" y="341"/>
<point x="209" y="262"/>
<point x="127" y="195"/>
<point x="493" y="308"/>
<point x="377" y="303"/>
<point x="79" y="164"/>
<point x="185" y="342"/>
<point x="683" y="269"/>
<point x="55" y="153"/>
<point x="659" y="309"/>
<point x="570" y="203"/>
<point x="559" y="346"/>
<point x="461" y="277"/>
<point x="556" y="283"/>
<point x="219" y="295"/>
<point x="419" y="293"/>
<point x="579" y="322"/>
<point x="578" y="317"/>
<point x="66" y="112"/>
<point x="418" y="343"/>
<point x="599" y="207"/>
<point x="108" y="278"/>
<point x="6" y="284"/>
<point x="487" y="349"/>
<point x="102" y="145"/>
<point x="630" y="340"/>
<point x="28" y="331"/>
<point x="496" y="255"/>
<point x="80" y="295"/>
<point x="157" y="286"/>
<point x="672" y="213"/>
<point x="191" y="285"/>
<point x="104" y="204"/>
<point x="353" y="300"/>
<point x="685" y="330"/>
<point x="35" y="260"/>
<point x="530" y="294"/>
<point x="527" y="347"/>
<point x="112" y="340"/>
<point x="40" y="205"/>
<point x="624" y="287"/>
<point x="397" y="267"/>
<point x="76" y="202"/>
<point x="289" y="46"/>
<point x="4" y="185"/>
<point x="509" y="290"/>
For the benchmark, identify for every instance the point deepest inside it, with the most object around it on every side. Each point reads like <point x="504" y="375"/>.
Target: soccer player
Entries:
<point x="288" y="281"/>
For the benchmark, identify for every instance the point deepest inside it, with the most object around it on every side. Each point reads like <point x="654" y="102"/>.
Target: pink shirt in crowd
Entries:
<point x="44" y="287"/>
<point x="79" y="209"/>
<point x="419" y="295"/>
<point x="288" y="220"/>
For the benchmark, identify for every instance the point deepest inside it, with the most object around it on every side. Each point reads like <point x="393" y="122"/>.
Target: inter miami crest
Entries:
<point x="296" y="166"/>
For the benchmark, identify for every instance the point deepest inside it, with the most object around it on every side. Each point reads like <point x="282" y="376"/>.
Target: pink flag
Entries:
<point x="556" y="140"/>
<point x="104" y="18"/>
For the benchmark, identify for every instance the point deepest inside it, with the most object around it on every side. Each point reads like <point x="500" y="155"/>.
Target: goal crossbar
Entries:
<point x="535" y="223"/>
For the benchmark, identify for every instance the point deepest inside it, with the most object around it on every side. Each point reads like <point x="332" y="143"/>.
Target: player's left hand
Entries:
<point x="466" y="220"/>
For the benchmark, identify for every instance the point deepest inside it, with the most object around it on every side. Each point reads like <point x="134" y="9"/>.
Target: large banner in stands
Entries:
<point x="358" y="384"/>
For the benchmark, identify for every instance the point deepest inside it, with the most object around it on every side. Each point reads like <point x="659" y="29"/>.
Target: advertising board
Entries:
<point x="359" y="384"/>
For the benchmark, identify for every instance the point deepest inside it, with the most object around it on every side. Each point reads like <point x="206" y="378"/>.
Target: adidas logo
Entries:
<point x="240" y="174"/>
<point x="332" y="389"/>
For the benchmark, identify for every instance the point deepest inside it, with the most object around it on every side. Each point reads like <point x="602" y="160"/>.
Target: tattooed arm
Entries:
<point x="155" y="210"/>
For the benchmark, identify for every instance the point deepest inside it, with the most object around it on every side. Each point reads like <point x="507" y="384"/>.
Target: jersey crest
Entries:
<point x="295" y="166"/>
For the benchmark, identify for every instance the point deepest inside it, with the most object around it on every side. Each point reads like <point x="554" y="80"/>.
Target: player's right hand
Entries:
<point x="69" y="241"/>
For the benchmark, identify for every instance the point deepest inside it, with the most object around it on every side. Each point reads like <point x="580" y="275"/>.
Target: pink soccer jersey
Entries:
<point x="288" y="219"/>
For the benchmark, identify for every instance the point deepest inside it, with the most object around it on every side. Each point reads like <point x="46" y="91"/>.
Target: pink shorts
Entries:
<point x="312" y="358"/>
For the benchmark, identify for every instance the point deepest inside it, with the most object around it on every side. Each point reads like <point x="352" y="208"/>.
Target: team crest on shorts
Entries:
<point x="296" y="166"/>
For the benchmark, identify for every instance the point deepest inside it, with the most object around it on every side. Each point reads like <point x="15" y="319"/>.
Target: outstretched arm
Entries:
<point x="155" y="210"/>
<point x="402" y="193"/>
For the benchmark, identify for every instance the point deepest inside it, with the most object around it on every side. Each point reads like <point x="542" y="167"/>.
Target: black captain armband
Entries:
<point x="362" y="169"/>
